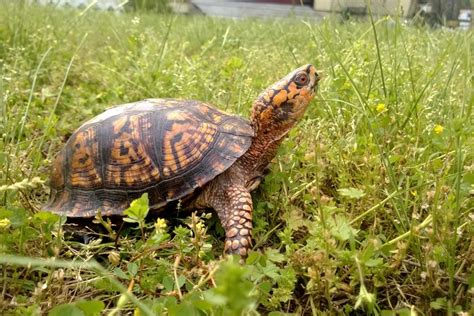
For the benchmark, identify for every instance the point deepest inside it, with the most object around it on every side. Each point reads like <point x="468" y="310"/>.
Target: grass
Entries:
<point x="369" y="206"/>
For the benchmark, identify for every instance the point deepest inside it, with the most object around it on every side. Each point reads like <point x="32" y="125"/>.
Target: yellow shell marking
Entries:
<point x="216" y="117"/>
<point x="84" y="173"/>
<point x="185" y="143"/>
<point x="128" y="160"/>
<point x="57" y="176"/>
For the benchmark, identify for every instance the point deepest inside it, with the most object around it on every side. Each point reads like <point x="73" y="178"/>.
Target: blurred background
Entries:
<point x="451" y="13"/>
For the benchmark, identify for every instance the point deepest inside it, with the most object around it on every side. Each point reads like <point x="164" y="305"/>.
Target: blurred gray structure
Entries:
<point x="111" y="5"/>
<point x="260" y="9"/>
<point x="440" y="10"/>
<point x="359" y="7"/>
<point x="435" y="12"/>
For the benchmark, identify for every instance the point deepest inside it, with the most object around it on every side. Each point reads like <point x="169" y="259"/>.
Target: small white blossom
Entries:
<point x="136" y="20"/>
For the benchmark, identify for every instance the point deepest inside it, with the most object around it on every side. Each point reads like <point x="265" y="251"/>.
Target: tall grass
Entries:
<point x="369" y="204"/>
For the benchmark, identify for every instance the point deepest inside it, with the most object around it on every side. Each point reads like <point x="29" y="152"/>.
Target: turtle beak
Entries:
<point x="317" y="77"/>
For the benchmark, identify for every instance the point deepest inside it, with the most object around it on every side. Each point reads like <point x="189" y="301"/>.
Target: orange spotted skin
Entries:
<point x="169" y="148"/>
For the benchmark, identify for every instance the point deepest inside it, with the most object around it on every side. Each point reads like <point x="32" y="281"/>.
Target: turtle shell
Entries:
<point x="165" y="147"/>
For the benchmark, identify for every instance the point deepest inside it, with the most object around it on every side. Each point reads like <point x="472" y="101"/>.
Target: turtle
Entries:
<point x="179" y="150"/>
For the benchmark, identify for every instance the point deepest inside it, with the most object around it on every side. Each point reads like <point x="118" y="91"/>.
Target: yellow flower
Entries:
<point x="380" y="107"/>
<point x="438" y="129"/>
<point x="160" y="224"/>
<point x="114" y="258"/>
<point x="200" y="227"/>
<point x="5" y="223"/>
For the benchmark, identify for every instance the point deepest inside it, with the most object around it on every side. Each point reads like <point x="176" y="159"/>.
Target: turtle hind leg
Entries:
<point x="234" y="208"/>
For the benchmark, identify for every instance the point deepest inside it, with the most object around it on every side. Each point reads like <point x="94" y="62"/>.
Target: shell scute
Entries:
<point x="82" y="155"/>
<point x="128" y="163"/>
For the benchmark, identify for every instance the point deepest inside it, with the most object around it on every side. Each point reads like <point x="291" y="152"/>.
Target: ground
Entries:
<point x="368" y="208"/>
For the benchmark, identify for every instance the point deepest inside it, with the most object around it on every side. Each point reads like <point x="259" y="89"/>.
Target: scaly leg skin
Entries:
<point x="234" y="208"/>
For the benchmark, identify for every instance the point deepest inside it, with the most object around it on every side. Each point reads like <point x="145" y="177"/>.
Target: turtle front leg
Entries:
<point x="234" y="208"/>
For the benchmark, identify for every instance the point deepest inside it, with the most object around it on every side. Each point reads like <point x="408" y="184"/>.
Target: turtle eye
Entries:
<point x="301" y="79"/>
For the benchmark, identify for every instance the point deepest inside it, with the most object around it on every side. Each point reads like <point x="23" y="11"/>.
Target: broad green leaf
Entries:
<point x="470" y="280"/>
<point x="440" y="253"/>
<point x="106" y="285"/>
<point x="253" y="257"/>
<point x="132" y="268"/>
<point x="184" y="309"/>
<point x="439" y="303"/>
<point x="341" y="229"/>
<point x="17" y="216"/>
<point x="138" y="209"/>
<point x="46" y="217"/>
<point x="265" y="287"/>
<point x="119" y="273"/>
<point x="352" y="193"/>
<point x="5" y="213"/>
<point x="168" y="283"/>
<point x="181" y="280"/>
<point x="271" y="270"/>
<point x="274" y="255"/>
<point x="91" y="308"/>
<point x="374" y="262"/>
<point x="66" y="309"/>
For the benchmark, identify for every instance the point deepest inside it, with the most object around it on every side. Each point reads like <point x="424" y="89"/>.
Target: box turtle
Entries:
<point x="179" y="150"/>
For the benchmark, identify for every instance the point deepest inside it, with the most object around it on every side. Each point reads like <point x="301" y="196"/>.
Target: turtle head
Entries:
<point x="283" y="104"/>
